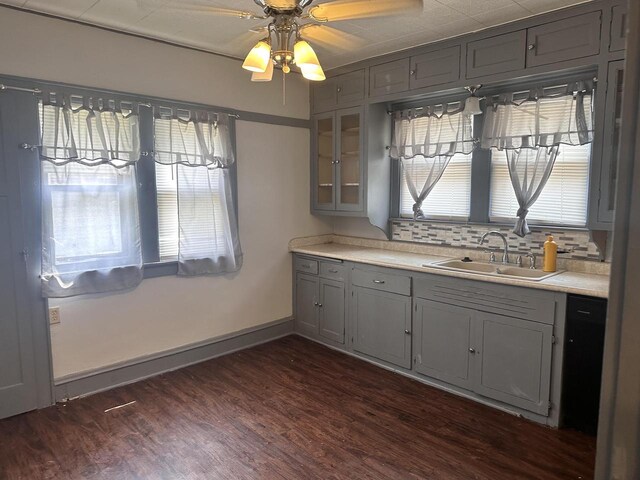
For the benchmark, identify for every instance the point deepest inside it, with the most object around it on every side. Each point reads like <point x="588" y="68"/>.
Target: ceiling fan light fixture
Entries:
<point x="265" y="76"/>
<point x="258" y="58"/>
<point x="313" y="73"/>
<point x="304" y="54"/>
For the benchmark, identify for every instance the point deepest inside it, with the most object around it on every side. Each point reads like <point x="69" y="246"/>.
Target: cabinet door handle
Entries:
<point x="472" y="350"/>
<point x="319" y="305"/>
<point x="531" y="46"/>
<point x="315" y="304"/>
<point x="339" y="89"/>
<point x="380" y="282"/>
<point x="408" y="332"/>
<point x="412" y="73"/>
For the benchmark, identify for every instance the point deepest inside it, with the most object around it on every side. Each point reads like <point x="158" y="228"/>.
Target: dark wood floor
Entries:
<point x="288" y="409"/>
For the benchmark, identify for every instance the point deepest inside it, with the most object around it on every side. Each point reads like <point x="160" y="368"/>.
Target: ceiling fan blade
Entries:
<point x="329" y="37"/>
<point x="223" y="12"/>
<point x="282" y="4"/>
<point x="356" y="9"/>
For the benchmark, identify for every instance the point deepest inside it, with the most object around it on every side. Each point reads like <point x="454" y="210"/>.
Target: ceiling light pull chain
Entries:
<point x="284" y="88"/>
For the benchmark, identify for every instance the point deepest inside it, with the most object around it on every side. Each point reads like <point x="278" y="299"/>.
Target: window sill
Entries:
<point x="160" y="269"/>
<point x="533" y="226"/>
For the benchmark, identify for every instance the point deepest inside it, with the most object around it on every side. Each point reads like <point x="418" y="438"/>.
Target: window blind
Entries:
<point x="562" y="202"/>
<point x="207" y="186"/>
<point x="450" y="198"/>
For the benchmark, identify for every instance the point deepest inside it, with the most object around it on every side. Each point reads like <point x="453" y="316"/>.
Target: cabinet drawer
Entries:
<point x="618" y="35"/>
<point x="503" y="53"/>
<point x="592" y="310"/>
<point x="435" y="68"/>
<point x="335" y="271"/>
<point x="387" y="282"/>
<point x="389" y="77"/>
<point x="564" y="40"/>
<point x="505" y="300"/>
<point x="306" y="265"/>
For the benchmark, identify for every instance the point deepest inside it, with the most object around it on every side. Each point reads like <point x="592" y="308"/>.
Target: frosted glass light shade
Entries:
<point x="265" y="76"/>
<point x="304" y="54"/>
<point x="472" y="106"/>
<point x="313" y="73"/>
<point x="258" y="58"/>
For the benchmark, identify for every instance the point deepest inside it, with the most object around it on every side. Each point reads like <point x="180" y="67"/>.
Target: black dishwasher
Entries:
<point x="582" y="371"/>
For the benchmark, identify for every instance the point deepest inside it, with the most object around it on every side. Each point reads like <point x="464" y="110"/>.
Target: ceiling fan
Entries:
<point x="284" y="41"/>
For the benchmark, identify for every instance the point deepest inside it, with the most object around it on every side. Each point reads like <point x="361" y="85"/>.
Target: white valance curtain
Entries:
<point x="532" y="127"/>
<point x="90" y="226"/>
<point x="425" y="140"/>
<point x="199" y="144"/>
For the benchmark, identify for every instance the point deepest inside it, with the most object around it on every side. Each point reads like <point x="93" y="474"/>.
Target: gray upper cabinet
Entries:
<point x="502" y="53"/>
<point x="306" y="303"/>
<point x="564" y="40"/>
<point x="611" y="142"/>
<point x="618" y="34"/>
<point x="381" y="323"/>
<point x="332" y="310"/>
<point x="342" y="90"/>
<point x="441" y="342"/>
<point x="325" y="95"/>
<point x="350" y="87"/>
<point x="435" y="68"/>
<point x="391" y="77"/>
<point x="513" y="361"/>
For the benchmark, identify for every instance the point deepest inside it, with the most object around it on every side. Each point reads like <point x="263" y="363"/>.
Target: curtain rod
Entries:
<point x="20" y="89"/>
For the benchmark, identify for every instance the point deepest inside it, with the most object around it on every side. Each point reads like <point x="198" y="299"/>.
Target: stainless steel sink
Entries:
<point x="493" y="269"/>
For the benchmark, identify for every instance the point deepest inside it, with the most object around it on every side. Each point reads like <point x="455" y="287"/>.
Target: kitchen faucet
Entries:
<point x="505" y="255"/>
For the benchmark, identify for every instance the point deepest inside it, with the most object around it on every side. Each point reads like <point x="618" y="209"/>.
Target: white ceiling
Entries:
<point x="228" y="35"/>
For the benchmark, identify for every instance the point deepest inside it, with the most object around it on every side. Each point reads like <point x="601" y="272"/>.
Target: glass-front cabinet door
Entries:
<point x="349" y="151"/>
<point x="324" y="175"/>
<point x="611" y="142"/>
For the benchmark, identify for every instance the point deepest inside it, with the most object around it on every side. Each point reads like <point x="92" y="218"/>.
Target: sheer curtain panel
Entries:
<point x="424" y="140"/>
<point x="532" y="128"/>
<point x="90" y="225"/>
<point x="198" y="147"/>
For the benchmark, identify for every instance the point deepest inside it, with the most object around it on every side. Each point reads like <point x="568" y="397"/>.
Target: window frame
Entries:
<point x="480" y="196"/>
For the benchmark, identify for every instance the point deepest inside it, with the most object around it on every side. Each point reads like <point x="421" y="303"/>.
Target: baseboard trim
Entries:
<point x="98" y="380"/>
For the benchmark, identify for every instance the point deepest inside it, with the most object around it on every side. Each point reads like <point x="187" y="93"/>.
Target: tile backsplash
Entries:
<point x="576" y="243"/>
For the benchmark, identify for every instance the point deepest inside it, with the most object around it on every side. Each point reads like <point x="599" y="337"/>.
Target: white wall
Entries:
<point x="273" y="185"/>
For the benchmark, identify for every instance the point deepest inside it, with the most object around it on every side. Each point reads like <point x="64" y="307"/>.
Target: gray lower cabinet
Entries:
<point x="331" y="310"/>
<point x="306" y="304"/>
<point x="499" y="357"/>
<point x="320" y="308"/>
<point x="441" y="341"/>
<point x="382" y="325"/>
<point x="512" y="361"/>
<point x="564" y="40"/>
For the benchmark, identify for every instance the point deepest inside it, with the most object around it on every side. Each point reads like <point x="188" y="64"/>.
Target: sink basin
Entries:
<point x="493" y="269"/>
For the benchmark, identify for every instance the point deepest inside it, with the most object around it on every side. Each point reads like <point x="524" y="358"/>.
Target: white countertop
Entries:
<point x="565" y="282"/>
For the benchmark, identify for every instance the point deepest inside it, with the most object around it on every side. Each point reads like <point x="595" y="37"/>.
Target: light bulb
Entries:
<point x="286" y="68"/>
<point x="304" y="54"/>
<point x="258" y="58"/>
<point x="313" y="73"/>
<point x="265" y="76"/>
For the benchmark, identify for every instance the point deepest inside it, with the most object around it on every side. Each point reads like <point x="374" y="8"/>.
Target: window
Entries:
<point x="562" y="202"/>
<point x="450" y="198"/>
<point x="202" y="216"/>
<point x="90" y="214"/>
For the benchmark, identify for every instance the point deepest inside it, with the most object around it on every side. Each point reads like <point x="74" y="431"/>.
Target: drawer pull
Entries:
<point x="333" y="270"/>
<point x="379" y="282"/>
<point x="584" y="312"/>
<point x="531" y="46"/>
<point x="306" y="265"/>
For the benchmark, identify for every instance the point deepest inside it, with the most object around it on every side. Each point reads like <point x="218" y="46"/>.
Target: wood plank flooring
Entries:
<point x="289" y="409"/>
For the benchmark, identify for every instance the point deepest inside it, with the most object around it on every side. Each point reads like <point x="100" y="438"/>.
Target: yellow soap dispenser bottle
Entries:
<point x="550" y="255"/>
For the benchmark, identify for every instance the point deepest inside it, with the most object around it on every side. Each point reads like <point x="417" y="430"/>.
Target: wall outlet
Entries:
<point x="54" y="315"/>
